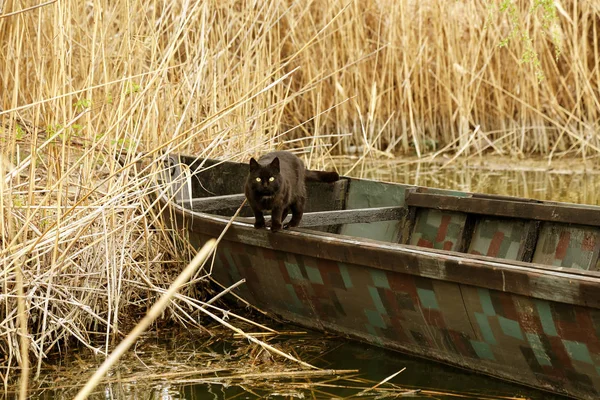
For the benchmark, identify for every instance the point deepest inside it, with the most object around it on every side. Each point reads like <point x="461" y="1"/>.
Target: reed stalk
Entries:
<point x="150" y="317"/>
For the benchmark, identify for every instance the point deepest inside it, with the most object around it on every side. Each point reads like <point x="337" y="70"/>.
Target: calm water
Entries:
<point x="375" y="364"/>
<point x="169" y="357"/>
<point x="568" y="181"/>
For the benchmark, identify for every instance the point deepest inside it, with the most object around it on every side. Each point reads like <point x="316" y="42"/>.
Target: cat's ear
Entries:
<point x="254" y="164"/>
<point x="275" y="164"/>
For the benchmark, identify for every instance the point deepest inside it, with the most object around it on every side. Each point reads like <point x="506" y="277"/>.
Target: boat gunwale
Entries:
<point x="451" y="266"/>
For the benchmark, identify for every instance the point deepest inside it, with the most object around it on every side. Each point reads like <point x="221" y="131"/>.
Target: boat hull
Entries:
<point x="537" y="325"/>
<point x="394" y="302"/>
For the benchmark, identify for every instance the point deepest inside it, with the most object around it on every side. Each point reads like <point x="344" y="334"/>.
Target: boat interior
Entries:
<point x="549" y="233"/>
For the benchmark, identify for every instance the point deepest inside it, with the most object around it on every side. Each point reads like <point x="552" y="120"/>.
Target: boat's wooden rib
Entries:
<point x="505" y="208"/>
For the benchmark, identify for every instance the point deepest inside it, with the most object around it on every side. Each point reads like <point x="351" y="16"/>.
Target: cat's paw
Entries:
<point x="291" y="224"/>
<point x="275" y="227"/>
<point x="259" y="224"/>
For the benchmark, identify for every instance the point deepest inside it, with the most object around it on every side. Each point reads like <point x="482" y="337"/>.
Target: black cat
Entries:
<point x="276" y="182"/>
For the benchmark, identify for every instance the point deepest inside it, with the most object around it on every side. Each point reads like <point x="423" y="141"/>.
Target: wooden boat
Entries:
<point x="503" y="286"/>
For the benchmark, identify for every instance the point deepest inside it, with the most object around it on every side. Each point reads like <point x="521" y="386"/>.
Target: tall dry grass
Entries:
<point x="85" y="84"/>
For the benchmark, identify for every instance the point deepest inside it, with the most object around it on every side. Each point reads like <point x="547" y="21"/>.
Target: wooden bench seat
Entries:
<point x="318" y="218"/>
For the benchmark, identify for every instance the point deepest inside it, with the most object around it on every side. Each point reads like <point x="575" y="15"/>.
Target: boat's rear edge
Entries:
<point x="521" y="322"/>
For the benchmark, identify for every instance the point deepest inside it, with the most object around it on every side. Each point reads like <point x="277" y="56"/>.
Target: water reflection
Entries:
<point x="568" y="182"/>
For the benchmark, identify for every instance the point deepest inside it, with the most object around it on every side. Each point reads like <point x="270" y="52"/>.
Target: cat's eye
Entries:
<point x="271" y="179"/>
<point x="258" y="179"/>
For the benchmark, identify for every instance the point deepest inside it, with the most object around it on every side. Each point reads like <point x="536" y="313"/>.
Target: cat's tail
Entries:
<point x="321" y="176"/>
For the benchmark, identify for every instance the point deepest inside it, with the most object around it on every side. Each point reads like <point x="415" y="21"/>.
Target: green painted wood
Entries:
<point x="326" y="197"/>
<point x="439" y="229"/>
<point x="569" y="246"/>
<point x="367" y="194"/>
<point x="500" y="238"/>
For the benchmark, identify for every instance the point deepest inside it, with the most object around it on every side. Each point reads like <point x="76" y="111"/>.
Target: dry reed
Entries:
<point x="89" y="88"/>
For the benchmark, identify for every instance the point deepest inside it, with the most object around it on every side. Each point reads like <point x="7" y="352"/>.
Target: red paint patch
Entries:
<point x="425" y="243"/>
<point x="585" y="322"/>
<point x="509" y="310"/>
<point x="269" y="254"/>
<point x="563" y="245"/>
<point x="448" y="245"/>
<point x="530" y="323"/>
<point x="301" y="294"/>
<point x="284" y="273"/>
<point x="495" y="244"/>
<point x="557" y="374"/>
<point x="328" y="269"/>
<point x="559" y="351"/>
<point x="581" y="330"/>
<point x="399" y="336"/>
<point x="460" y="343"/>
<point x="434" y="318"/>
<point x="402" y="283"/>
<point x="321" y="292"/>
<point x="443" y="229"/>
<point x="392" y="306"/>
<point x="589" y="242"/>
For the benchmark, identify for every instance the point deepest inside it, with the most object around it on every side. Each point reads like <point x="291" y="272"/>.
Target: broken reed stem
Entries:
<point x="284" y="374"/>
<point x="152" y="314"/>
<point x="463" y="148"/>
<point x="11" y="14"/>
<point x="224" y="292"/>
<point x="237" y="316"/>
<point x="256" y="341"/>
<point x="380" y="383"/>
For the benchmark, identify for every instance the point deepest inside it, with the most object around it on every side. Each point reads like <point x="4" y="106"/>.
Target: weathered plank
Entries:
<point x="505" y="208"/>
<point x="466" y="235"/>
<point x="360" y="215"/>
<point x="363" y="193"/>
<point x="531" y="239"/>
<point x="336" y="217"/>
<point x="326" y="197"/>
<point x="213" y="203"/>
